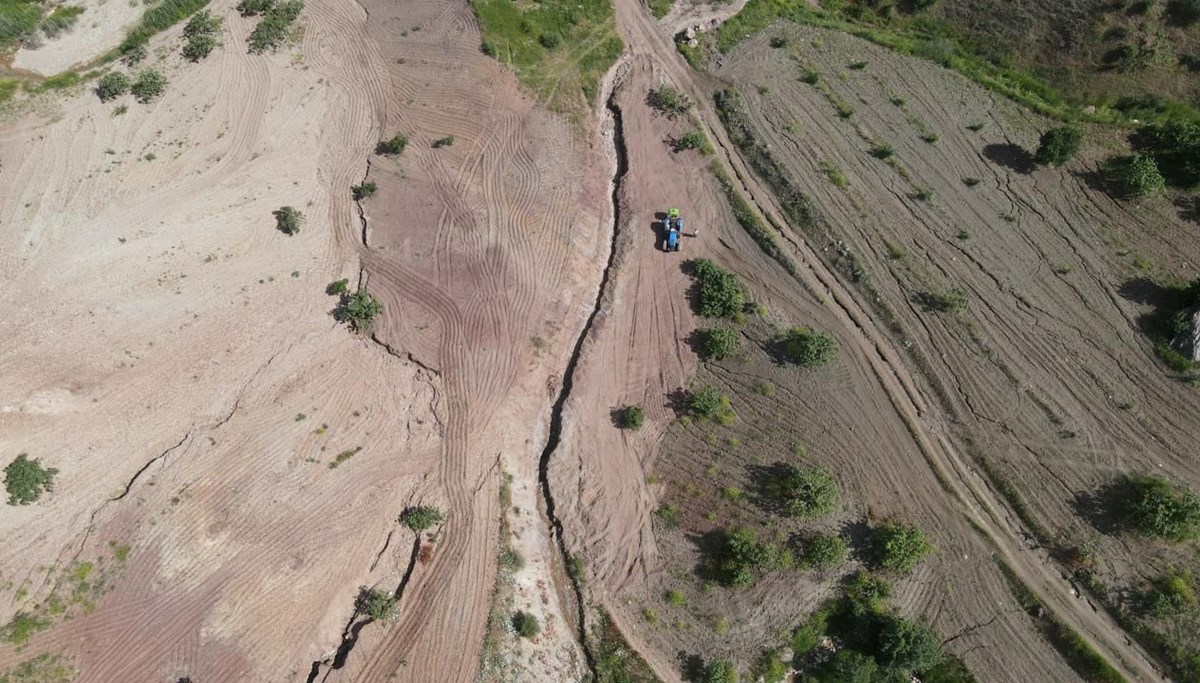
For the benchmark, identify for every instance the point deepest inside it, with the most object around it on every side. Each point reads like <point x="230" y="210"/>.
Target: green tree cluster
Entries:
<point x="809" y="348"/>
<point x="740" y="556"/>
<point x="1154" y="507"/>
<point x="1059" y="145"/>
<point x="717" y="343"/>
<point x="899" y="547"/>
<point x="420" y="517"/>
<point x="26" y="479"/>
<point x="275" y="25"/>
<point x="720" y="291"/>
<point x="200" y="35"/>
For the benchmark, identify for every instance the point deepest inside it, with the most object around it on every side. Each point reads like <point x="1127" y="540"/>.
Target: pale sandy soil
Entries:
<point x="99" y="29"/>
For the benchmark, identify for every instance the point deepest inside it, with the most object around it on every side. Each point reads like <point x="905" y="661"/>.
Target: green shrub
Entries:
<point x="718" y="343"/>
<point x="420" y="517"/>
<point x="338" y="287"/>
<point x="807" y="492"/>
<point x="1136" y="176"/>
<point x="149" y="84"/>
<point x="366" y="189"/>
<point x="112" y="85"/>
<point x="740" y="556"/>
<point x="21" y="627"/>
<point x="393" y="146"/>
<point x="866" y="594"/>
<point x="249" y="8"/>
<point x="720" y="292"/>
<point x="668" y="516"/>
<point x="907" y="645"/>
<point x="952" y="300"/>
<point x="1059" y="145"/>
<point x="200" y="35"/>
<point x="1155" y="508"/>
<point x="26" y="479"/>
<point x="443" y="142"/>
<point x="274" y="27"/>
<point x="631" y="417"/>
<point x="526" y="625"/>
<point x="376" y="604"/>
<point x="159" y="17"/>
<point x="691" y="140"/>
<point x="710" y="403"/>
<point x="821" y="551"/>
<point x="62" y="19"/>
<point x="669" y="101"/>
<point x="288" y="219"/>
<point x="899" y="547"/>
<point x="720" y="671"/>
<point x="511" y="560"/>
<point x="1172" y="594"/>
<point x="809" y="348"/>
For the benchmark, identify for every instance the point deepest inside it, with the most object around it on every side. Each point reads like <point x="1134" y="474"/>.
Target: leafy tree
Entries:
<point x="717" y="343"/>
<point x="1155" y="508"/>
<point x="720" y="671"/>
<point x="740" y="556"/>
<point x="632" y="417"/>
<point x="359" y="309"/>
<point x="200" y="35"/>
<point x="720" y="291"/>
<point x="366" y="189"/>
<point x="710" y="403"/>
<point x="376" y="604"/>
<point x="526" y="625"/>
<point x="1175" y="146"/>
<point x="806" y="492"/>
<point x="865" y="593"/>
<point x="809" y="348"/>
<point x="112" y="85"/>
<point x="26" y="479"/>
<point x="1136" y="176"/>
<point x="249" y="8"/>
<point x="394" y="146"/>
<point x="849" y="666"/>
<point x="420" y="517"/>
<point x="899" y="547"/>
<point x="822" y="550"/>
<point x="149" y="84"/>
<point x="907" y="645"/>
<point x="274" y="26"/>
<point x="669" y="101"/>
<point x="1058" y="145"/>
<point x="288" y="219"/>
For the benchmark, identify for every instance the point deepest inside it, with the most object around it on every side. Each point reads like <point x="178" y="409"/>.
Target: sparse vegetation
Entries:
<point x="951" y="300"/>
<point x="898" y="547"/>
<point x="376" y="604"/>
<point x="159" y="17"/>
<point x="1154" y="507"/>
<point x="364" y="189"/>
<point x="739" y="557"/>
<point x="1059" y="145"/>
<point x="288" y="219"/>
<point x="45" y="668"/>
<point x="443" y="142"/>
<point x="112" y="85"/>
<point x="692" y="140"/>
<point x="148" y="85"/>
<point x="631" y="417"/>
<point x="60" y="20"/>
<point x="717" y="343"/>
<point x="526" y="625"/>
<point x="200" y="35"/>
<point x="393" y="146"/>
<point x="338" y="287"/>
<point x="809" y="348"/>
<point x="22" y="626"/>
<point x="720" y="292"/>
<point x="275" y="26"/>
<point x="25" y="480"/>
<point x="669" y="101"/>
<point x="420" y="517"/>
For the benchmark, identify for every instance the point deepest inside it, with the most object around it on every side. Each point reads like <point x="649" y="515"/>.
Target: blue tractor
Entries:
<point x="672" y="229"/>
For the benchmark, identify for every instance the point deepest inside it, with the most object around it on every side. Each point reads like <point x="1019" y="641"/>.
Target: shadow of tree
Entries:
<point x="1103" y="507"/>
<point x="1010" y="156"/>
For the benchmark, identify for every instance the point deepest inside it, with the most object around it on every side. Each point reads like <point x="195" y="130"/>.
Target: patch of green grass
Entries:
<point x="18" y="20"/>
<point x="660" y="8"/>
<point x="47" y="668"/>
<point x="8" y="88"/>
<point x="833" y="173"/>
<point x="159" y="17"/>
<point x="557" y="48"/>
<point x="61" y="20"/>
<point x="22" y="626"/>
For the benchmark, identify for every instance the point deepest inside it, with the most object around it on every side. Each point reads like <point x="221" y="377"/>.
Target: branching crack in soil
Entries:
<point x="358" y="621"/>
<point x="433" y="401"/>
<point x="362" y="216"/>
<point x="386" y="542"/>
<point x="568" y="377"/>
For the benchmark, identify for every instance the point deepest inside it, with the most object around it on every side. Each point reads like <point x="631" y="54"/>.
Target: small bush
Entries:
<point x="274" y="27"/>
<point x="952" y="300"/>
<point x="288" y="219"/>
<point x="1172" y="594"/>
<point x="366" y="189"/>
<point x="720" y="671"/>
<point x="710" y="403"/>
<point x="720" y="291"/>
<point x="443" y="142"/>
<point x="200" y="35"/>
<point x="338" y="287"/>
<point x="393" y="146"/>
<point x="740" y="556"/>
<point x="899" y="547"/>
<point x="112" y="85"/>
<point x="675" y="598"/>
<point x="1155" y="508"/>
<point x="420" y="517"/>
<point x="718" y="343"/>
<point x="669" y="101"/>
<point x="526" y="625"/>
<point x="820" y="551"/>
<point x="511" y="560"/>
<point x="865" y="593"/>
<point x="809" y="348"/>
<point x="26" y="479"/>
<point x="249" y="8"/>
<point x="1135" y="177"/>
<point x="376" y="604"/>
<point x="808" y="492"/>
<point x="149" y="84"/>
<point x="632" y="417"/>
<point x="690" y="140"/>
<point x="883" y="151"/>
<point x="1059" y="145"/>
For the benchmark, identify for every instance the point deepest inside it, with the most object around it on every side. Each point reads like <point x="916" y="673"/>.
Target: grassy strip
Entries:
<point x="749" y="221"/>
<point x="558" y="48"/>
<point x="156" y="19"/>
<point x="18" y="20"/>
<point x="937" y="41"/>
<point x="1009" y="491"/>
<point x="615" y="659"/>
<point x="1079" y="655"/>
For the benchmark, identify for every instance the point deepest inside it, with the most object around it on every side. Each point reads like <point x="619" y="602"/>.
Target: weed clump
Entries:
<point x="112" y="85"/>
<point x="669" y="101"/>
<point x="26" y="479"/>
<point x="392" y="147"/>
<point x="288" y="219"/>
<point x="631" y="417"/>
<point x="420" y="517"/>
